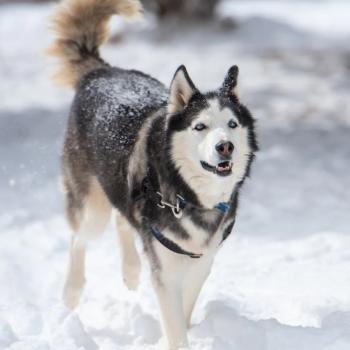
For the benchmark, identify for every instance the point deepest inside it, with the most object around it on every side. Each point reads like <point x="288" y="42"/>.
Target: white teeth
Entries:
<point x="224" y="168"/>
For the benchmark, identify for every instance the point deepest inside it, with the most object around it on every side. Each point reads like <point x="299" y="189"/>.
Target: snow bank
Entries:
<point x="267" y="295"/>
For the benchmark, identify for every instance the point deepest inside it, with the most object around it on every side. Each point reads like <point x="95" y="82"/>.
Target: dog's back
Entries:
<point x="110" y="107"/>
<point x="113" y="104"/>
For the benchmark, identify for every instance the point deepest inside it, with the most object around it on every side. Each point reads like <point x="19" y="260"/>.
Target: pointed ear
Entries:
<point x="230" y="85"/>
<point x="181" y="90"/>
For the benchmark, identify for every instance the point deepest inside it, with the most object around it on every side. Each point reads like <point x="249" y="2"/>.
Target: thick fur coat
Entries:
<point x="166" y="161"/>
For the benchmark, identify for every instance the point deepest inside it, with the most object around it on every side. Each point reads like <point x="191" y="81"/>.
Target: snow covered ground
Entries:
<point x="282" y="280"/>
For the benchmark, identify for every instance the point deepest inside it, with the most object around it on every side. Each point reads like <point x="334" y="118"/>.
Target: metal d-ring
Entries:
<point x="177" y="211"/>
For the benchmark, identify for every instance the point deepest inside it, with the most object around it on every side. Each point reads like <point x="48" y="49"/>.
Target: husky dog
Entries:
<point x="170" y="162"/>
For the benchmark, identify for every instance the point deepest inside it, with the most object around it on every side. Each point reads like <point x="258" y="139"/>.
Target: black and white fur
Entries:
<point x="129" y="137"/>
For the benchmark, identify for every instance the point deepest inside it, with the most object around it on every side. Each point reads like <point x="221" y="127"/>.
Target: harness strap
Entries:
<point x="172" y="245"/>
<point x="149" y="189"/>
<point x="223" y="207"/>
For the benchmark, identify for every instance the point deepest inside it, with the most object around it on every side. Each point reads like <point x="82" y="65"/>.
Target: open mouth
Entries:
<point x="222" y="169"/>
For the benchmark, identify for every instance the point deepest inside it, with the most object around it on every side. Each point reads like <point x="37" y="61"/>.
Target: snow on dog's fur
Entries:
<point x="170" y="162"/>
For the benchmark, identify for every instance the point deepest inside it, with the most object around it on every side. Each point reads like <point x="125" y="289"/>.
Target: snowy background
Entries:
<point x="282" y="280"/>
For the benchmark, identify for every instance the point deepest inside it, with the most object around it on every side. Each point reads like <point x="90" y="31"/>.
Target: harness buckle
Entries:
<point x="176" y="209"/>
<point x="160" y="204"/>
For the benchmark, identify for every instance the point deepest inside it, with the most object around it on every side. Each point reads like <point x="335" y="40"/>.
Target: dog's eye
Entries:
<point x="232" y="124"/>
<point x="200" y="127"/>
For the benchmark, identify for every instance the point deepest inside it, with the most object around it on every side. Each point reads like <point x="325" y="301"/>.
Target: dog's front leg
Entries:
<point x="167" y="281"/>
<point x="173" y="318"/>
<point x="194" y="279"/>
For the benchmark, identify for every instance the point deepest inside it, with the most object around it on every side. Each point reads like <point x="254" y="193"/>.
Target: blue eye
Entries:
<point x="232" y="124"/>
<point x="200" y="127"/>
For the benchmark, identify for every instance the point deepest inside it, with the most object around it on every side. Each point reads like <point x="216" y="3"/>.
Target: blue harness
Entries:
<point x="222" y="207"/>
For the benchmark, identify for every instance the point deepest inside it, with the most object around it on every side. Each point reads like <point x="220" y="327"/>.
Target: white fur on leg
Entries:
<point x="167" y="282"/>
<point x="75" y="280"/>
<point x="131" y="265"/>
<point x="193" y="283"/>
<point x="173" y="320"/>
<point x="94" y="217"/>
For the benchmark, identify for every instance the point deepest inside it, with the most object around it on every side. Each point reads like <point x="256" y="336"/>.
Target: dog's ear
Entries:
<point x="181" y="90"/>
<point x="230" y="85"/>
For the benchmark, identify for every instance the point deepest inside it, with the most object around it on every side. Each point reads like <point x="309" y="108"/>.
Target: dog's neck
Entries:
<point x="210" y="191"/>
<point x="200" y="190"/>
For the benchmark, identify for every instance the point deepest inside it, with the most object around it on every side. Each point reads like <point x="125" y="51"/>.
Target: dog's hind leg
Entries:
<point x="88" y="217"/>
<point x="130" y="258"/>
<point x="75" y="279"/>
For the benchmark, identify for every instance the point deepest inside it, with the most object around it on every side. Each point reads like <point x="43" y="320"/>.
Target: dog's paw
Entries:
<point x="72" y="295"/>
<point x="131" y="273"/>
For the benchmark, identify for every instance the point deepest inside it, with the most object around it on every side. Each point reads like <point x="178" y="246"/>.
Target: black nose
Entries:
<point x="224" y="148"/>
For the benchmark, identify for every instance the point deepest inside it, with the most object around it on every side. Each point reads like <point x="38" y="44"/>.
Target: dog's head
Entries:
<point x="211" y="135"/>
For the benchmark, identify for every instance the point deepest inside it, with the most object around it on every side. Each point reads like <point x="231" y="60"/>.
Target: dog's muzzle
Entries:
<point x="223" y="168"/>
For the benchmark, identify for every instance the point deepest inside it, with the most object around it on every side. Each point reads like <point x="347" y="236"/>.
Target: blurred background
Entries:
<point x="288" y="258"/>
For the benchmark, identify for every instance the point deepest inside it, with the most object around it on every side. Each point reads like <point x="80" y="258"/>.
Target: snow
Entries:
<point x="281" y="281"/>
<point x="249" y="301"/>
<point x="326" y="17"/>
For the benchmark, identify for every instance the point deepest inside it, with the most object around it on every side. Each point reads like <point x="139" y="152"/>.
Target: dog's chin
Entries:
<point x="223" y="168"/>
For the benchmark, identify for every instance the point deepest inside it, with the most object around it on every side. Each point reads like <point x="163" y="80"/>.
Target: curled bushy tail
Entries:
<point x="81" y="27"/>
